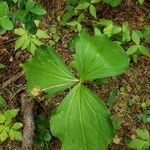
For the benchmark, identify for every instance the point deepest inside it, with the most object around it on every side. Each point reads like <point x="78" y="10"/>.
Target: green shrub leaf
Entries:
<point x="82" y="121"/>
<point x="99" y="57"/>
<point x="46" y="71"/>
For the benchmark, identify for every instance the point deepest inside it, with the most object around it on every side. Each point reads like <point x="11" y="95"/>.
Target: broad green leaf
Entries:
<point x="47" y="72"/>
<point x="138" y="144"/>
<point x="99" y="57"/>
<point x="135" y="37"/>
<point x="113" y="3"/>
<point x="6" y="23"/>
<point x="143" y="134"/>
<point x="131" y="50"/>
<point x="83" y="5"/>
<point x="38" y="10"/>
<point x="92" y="11"/>
<point x="82" y="121"/>
<point x="3" y="9"/>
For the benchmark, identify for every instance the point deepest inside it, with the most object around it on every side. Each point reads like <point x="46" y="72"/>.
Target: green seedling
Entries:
<point x="142" y="141"/>
<point x="9" y="129"/>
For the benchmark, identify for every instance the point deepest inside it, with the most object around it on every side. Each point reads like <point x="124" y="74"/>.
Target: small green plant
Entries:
<point x="42" y="133"/>
<point x="81" y="116"/>
<point x="142" y="141"/>
<point x="29" y="41"/>
<point x="145" y="116"/>
<point x="146" y="33"/>
<point x="8" y="129"/>
<point x="107" y="27"/>
<point x="5" y="23"/>
<point x="138" y="48"/>
<point x="55" y="36"/>
<point x="28" y="12"/>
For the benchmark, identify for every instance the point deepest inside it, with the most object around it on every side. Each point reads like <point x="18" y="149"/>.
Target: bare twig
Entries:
<point x="12" y="79"/>
<point x="28" y="120"/>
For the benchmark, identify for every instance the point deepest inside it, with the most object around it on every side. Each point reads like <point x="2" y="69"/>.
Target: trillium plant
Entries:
<point x="81" y="121"/>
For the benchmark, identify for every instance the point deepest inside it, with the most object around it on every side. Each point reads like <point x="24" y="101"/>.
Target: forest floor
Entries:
<point x="133" y="85"/>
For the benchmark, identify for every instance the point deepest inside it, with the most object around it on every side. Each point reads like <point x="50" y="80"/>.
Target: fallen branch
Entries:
<point x="28" y="120"/>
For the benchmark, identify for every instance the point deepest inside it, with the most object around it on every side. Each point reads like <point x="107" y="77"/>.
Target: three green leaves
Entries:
<point x="82" y="120"/>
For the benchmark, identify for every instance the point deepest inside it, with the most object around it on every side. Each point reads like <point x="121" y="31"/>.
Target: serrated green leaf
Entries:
<point x="83" y="5"/>
<point x="3" y="9"/>
<point x="31" y="48"/>
<point x="20" y="42"/>
<point x="82" y="121"/>
<point x="6" y="23"/>
<point x="2" y="127"/>
<point x="92" y="11"/>
<point x="15" y="135"/>
<point x="2" y="118"/>
<point x="3" y="136"/>
<point x="143" y="134"/>
<point x="36" y="41"/>
<point x="10" y="114"/>
<point x="135" y="37"/>
<point x="48" y="72"/>
<point x="99" y="57"/>
<point x="131" y="50"/>
<point x="41" y="34"/>
<point x="17" y="125"/>
<point x="145" y="51"/>
<point x="26" y="43"/>
<point x="20" y="31"/>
